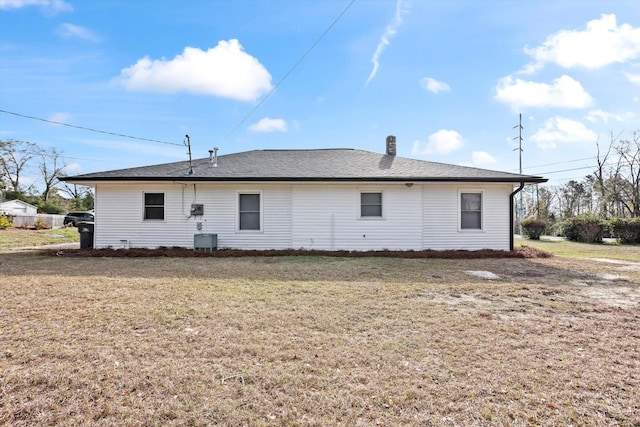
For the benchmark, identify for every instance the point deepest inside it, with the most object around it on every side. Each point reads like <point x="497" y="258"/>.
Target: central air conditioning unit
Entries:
<point x="197" y="209"/>
<point x="205" y="242"/>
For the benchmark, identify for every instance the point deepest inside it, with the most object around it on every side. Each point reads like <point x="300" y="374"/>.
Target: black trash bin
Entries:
<point x="86" y="234"/>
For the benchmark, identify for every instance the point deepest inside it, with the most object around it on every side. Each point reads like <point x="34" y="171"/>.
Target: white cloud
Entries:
<point x="561" y="130"/>
<point x="604" y="116"/>
<point x="72" y="168"/>
<point x="482" y="158"/>
<point x="603" y="42"/>
<point x="70" y="31"/>
<point x="434" y="85"/>
<point x="442" y="142"/>
<point x="269" y="125"/>
<point x="563" y="92"/>
<point x="51" y="5"/>
<point x="59" y="117"/>
<point x="389" y="32"/>
<point x="225" y="70"/>
<point x="633" y="78"/>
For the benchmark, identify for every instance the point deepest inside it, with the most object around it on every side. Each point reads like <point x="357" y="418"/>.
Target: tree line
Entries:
<point x="611" y="190"/>
<point x="32" y="174"/>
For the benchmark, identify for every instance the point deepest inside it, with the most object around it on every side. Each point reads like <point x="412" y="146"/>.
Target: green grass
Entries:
<point x="584" y="250"/>
<point x="13" y="238"/>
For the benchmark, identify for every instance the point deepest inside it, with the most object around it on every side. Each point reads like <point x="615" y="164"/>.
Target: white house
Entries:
<point x="325" y="199"/>
<point x="17" y="207"/>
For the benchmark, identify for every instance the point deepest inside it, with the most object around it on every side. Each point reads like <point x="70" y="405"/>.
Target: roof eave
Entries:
<point x="515" y="179"/>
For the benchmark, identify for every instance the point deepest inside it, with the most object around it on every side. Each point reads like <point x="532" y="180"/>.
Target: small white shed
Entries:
<point x="17" y="207"/>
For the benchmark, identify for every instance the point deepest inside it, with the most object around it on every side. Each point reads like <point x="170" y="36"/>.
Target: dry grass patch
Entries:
<point x="314" y="341"/>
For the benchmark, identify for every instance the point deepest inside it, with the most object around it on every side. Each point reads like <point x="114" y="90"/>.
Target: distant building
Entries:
<point x="17" y="207"/>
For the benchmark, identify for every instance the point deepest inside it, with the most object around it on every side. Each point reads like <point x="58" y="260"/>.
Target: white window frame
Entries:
<point x="382" y="205"/>
<point x="144" y="206"/>
<point x="462" y="191"/>
<point x="248" y="192"/>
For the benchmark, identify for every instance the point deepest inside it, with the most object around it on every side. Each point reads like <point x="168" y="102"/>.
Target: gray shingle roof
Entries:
<point x="307" y="165"/>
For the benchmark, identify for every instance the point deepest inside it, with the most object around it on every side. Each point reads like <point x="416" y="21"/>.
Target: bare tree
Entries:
<point x="601" y="175"/>
<point x="51" y="168"/>
<point x="80" y="194"/>
<point x="546" y="197"/>
<point x="628" y="172"/>
<point x="15" y="157"/>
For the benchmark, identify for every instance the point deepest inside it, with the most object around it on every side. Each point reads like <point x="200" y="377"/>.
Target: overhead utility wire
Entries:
<point x="253" y="110"/>
<point x="574" y="169"/>
<point x="559" y="163"/>
<point x="86" y="128"/>
<point x="232" y="130"/>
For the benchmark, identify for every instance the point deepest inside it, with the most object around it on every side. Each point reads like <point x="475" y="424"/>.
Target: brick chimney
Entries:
<point x="391" y="145"/>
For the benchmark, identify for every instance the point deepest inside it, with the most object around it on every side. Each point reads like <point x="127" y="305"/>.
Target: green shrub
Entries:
<point x="534" y="227"/>
<point x="556" y="229"/>
<point x="4" y="222"/>
<point x="587" y="229"/>
<point x="40" y="225"/>
<point x="626" y="230"/>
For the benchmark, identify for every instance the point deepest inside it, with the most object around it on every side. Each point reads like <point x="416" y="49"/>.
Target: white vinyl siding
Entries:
<point x="441" y="229"/>
<point x="119" y="212"/>
<point x="303" y="215"/>
<point x="327" y="217"/>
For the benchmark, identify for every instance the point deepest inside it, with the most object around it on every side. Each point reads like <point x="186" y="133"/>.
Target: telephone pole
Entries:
<point x="520" y="208"/>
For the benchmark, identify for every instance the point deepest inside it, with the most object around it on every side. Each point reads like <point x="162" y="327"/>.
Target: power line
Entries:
<point x="86" y="128"/>
<point x="90" y="160"/>
<point x="254" y="109"/>
<point x="567" y="170"/>
<point x="575" y="169"/>
<point x="561" y="163"/>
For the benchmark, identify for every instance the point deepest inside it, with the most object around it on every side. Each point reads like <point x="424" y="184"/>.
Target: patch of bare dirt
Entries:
<point x="624" y="265"/>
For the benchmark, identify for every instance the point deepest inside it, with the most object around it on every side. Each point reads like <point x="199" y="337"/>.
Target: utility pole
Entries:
<point x="520" y="208"/>
<point x="187" y="143"/>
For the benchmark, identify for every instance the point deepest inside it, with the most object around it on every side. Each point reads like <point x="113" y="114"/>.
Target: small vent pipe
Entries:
<point x="213" y="157"/>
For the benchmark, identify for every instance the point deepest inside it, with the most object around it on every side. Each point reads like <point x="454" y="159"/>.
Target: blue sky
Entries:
<point x="448" y="78"/>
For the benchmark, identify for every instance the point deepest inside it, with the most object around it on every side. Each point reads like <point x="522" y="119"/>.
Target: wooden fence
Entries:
<point x="28" y="221"/>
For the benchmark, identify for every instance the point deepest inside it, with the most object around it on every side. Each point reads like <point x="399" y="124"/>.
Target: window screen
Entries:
<point x="249" y="211"/>
<point x="471" y="211"/>
<point x="153" y="206"/>
<point x="371" y="204"/>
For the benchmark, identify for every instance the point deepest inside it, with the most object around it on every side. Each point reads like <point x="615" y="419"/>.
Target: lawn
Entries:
<point x="13" y="238"/>
<point x="317" y="341"/>
<point x="584" y="250"/>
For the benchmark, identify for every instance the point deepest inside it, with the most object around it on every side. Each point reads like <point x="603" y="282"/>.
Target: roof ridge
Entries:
<point x="307" y="149"/>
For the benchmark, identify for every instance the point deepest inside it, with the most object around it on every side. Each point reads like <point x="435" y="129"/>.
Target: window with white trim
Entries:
<point x="471" y="211"/>
<point x="249" y="211"/>
<point x="153" y="206"/>
<point x="371" y="204"/>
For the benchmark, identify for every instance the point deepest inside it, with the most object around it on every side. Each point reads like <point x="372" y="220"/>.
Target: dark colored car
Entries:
<point x="74" y="218"/>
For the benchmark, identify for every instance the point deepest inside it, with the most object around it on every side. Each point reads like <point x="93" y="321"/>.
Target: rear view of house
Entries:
<point x="324" y="199"/>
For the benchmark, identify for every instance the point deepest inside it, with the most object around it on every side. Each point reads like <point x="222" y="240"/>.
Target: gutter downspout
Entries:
<point x="517" y="190"/>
